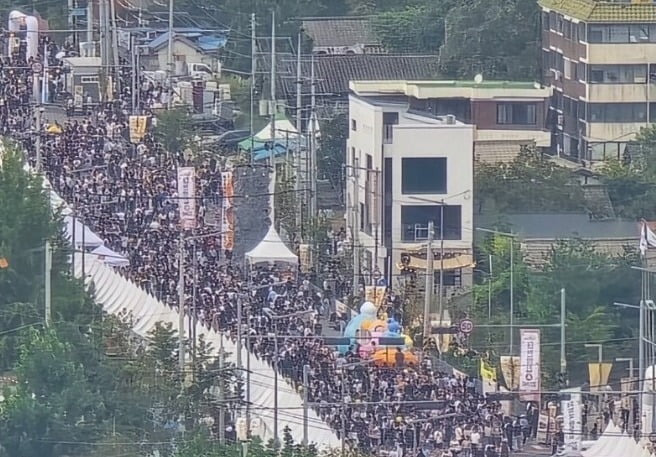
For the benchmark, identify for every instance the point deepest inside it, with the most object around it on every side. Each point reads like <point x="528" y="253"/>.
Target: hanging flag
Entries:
<point x="187" y="197"/>
<point x="647" y="238"/>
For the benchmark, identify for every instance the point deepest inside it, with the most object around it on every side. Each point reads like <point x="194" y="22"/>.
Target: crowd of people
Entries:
<point x="127" y="194"/>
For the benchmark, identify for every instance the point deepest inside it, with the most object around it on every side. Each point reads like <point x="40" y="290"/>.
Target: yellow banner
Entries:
<point x="138" y="126"/>
<point x="375" y="294"/>
<point x="488" y="372"/>
<point x="510" y="370"/>
<point x="599" y="373"/>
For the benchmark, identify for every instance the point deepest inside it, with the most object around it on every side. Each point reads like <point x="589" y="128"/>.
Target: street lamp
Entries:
<point x="512" y="237"/>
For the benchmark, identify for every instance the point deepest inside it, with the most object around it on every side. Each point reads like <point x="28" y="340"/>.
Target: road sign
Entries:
<point x="652" y="437"/>
<point x="37" y="67"/>
<point x="466" y="326"/>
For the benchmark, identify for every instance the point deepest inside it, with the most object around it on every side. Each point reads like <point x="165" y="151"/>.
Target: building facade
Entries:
<point x="600" y="59"/>
<point x="403" y="167"/>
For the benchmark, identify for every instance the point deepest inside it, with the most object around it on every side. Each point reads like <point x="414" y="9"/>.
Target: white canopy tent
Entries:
<point x="109" y="257"/>
<point x="604" y="442"/>
<point x="84" y="237"/>
<point x="283" y="129"/>
<point x="271" y="249"/>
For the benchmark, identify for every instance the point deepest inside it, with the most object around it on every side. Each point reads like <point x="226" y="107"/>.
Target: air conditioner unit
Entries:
<point x="561" y="120"/>
<point x="558" y="75"/>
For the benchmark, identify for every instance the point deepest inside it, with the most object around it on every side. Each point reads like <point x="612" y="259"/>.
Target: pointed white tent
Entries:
<point x="284" y="129"/>
<point x="109" y="257"/>
<point x="271" y="249"/>
<point x="83" y="234"/>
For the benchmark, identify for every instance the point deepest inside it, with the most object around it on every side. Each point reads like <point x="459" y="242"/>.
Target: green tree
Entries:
<point x="530" y="183"/>
<point x="630" y="181"/>
<point x="497" y="39"/>
<point x="173" y="130"/>
<point x="417" y="28"/>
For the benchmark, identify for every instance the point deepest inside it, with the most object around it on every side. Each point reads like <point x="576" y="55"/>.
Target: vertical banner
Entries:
<point x="187" y="197"/>
<point x="572" y="418"/>
<point x="375" y="294"/>
<point x="305" y="257"/>
<point x="529" y="360"/>
<point x="138" y="125"/>
<point x="510" y="371"/>
<point x="599" y="373"/>
<point x="227" y="211"/>
<point x="489" y="377"/>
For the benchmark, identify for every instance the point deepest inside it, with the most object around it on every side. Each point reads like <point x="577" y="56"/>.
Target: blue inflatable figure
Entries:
<point x="367" y="313"/>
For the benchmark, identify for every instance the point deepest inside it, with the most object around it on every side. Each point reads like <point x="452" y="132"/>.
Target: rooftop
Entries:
<point x="334" y="32"/>
<point x="333" y="73"/>
<point x="604" y="11"/>
<point x="204" y="42"/>
<point x="449" y="88"/>
<point x="560" y="226"/>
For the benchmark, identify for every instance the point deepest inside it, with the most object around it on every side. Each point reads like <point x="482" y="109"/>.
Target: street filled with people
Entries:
<point x="127" y="194"/>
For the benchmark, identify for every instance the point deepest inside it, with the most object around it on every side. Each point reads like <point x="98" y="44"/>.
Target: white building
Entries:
<point x="410" y="168"/>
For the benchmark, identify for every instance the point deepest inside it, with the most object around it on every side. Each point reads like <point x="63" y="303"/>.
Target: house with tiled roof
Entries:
<point x="342" y="36"/>
<point x="600" y="59"/>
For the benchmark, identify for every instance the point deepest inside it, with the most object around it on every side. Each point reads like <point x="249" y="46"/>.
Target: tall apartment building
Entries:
<point x="410" y="156"/>
<point x="600" y="59"/>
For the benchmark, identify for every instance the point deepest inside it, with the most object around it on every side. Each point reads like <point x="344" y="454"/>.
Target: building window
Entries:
<point x="354" y="125"/>
<point x="389" y="121"/>
<point x="517" y="113"/>
<point x="618" y="74"/>
<point x="545" y="20"/>
<point x="415" y="219"/>
<point x="581" y="32"/>
<point x="423" y="175"/>
<point x="580" y="71"/>
<point x="363" y="222"/>
<point x="622" y="33"/>
<point x="617" y="112"/>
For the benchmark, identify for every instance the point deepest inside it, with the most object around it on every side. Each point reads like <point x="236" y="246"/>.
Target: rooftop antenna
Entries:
<point x="478" y="79"/>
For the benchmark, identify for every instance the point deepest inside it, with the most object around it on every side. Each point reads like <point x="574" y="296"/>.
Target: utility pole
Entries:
<point x="273" y="82"/>
<point x="48" y="274"/>
<point x="102" y="38"/>
<point x="512" y="293"/>
<point x="169" y="69"/>
<point x="114" y="31"/>
<point x="239" y="333"/>
<point x="181" y="307"/>
<point x="563" y="318"/>
<point x="441" y="288"/>
<point x="306" y="397"/>
<point x="313" y="138"/>
<point x="221" y="394"/>
<point x="38" y="139"/>
<point x="90" y="22"/>
<point x="300" y="166"/>
<point x="356" y="226"/>
<point x="430" y="274"/>
<point x="253" y="73"/>
<point x="275" y="385"/>
<point x="135" y="88"/>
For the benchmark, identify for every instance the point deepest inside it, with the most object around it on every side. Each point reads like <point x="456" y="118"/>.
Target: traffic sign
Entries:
<point x="466" y="326"/>
<point x="652" y="437"/>
<point x="37" y="67"/>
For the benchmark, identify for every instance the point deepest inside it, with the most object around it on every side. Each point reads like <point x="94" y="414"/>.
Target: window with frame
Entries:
<point x="545" y="21"/>
<point x="415" y="219"/>
<point x="354" y="125"/>
<point x="423" y="175"/>
<point x="618" y="74"/>
<point x="617" y="112"/>
<point x="517" y="113"/>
